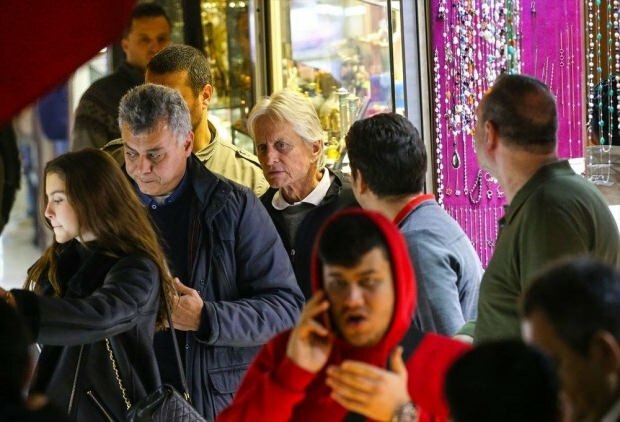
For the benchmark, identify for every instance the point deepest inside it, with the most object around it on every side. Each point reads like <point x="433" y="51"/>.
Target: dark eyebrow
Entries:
<point x="363" y="273"/>
<point x="147" y="151"/>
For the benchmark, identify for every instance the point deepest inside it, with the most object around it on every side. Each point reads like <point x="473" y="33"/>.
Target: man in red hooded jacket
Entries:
<point x="333" y="365"/>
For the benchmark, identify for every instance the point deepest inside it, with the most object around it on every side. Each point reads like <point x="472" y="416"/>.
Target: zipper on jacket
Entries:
<point x="98" y="403"/>
<point x="75" y="377"/>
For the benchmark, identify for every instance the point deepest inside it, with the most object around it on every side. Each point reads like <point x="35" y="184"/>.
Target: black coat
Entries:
<point x="103" y="297"/>
<point x="339" y="196"/>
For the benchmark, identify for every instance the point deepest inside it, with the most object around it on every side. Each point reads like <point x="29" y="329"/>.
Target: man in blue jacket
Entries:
<point x="235" y="283"/>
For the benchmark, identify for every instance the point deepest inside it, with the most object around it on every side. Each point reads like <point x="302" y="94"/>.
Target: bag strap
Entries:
<point x="117" y="374"/>
<point x="410" y="342"/>
<point x="177" y="353"/>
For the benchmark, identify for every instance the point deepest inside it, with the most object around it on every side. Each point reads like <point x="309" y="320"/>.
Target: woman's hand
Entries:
<point x="7" y="297"/>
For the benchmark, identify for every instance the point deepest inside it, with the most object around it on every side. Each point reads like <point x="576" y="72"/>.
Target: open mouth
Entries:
<point x="355" y="320"/>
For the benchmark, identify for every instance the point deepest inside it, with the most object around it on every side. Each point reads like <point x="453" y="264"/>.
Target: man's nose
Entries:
<point x="143" y="165"/>
<point x="354" y="295"/>
<point x="272" y="156"/>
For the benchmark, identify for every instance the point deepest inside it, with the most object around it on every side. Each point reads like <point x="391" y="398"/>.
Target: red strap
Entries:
<point x="417" y="200"/>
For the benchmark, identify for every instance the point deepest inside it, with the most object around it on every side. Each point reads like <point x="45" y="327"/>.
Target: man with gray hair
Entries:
<point x="236" y="288"/>
<point x="187" y="70"/>
<point x="289" y="143"/>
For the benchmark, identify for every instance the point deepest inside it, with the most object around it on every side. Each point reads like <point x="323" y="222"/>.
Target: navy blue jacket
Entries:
<point x="241" y="271"/>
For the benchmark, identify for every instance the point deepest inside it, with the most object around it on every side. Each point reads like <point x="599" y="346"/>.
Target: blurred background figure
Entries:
<point x="96" y="120"/>
<point x="10" y="172"/>
<point x="504" y="381"/>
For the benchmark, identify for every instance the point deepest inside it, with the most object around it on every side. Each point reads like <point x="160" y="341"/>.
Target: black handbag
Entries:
<point x="164" y="404"/>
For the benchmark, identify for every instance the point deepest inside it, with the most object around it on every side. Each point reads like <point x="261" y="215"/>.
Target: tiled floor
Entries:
<point x="17" y="250"/>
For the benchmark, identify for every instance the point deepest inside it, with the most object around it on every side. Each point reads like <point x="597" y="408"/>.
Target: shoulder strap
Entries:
<point x="410" y="342"/>
<point x="176" y="351"/>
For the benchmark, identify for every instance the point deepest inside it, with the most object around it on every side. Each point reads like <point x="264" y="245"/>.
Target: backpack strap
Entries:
<point x="410" y="342"/>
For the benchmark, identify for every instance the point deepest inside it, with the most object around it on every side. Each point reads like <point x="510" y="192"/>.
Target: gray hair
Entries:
<point x="294" y="109"/>
<point x="145" y="106"/>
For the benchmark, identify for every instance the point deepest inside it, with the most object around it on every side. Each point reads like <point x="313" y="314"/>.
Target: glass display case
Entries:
<point x="346" y="55"/>
<point x="226" y="32"/>
<point x="221" y="28"/>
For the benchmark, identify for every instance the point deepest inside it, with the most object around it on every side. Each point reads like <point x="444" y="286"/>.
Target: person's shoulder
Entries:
<point x="101" y="85"/>
<point x="240" y="153"/>
<point x="114" y="148"/>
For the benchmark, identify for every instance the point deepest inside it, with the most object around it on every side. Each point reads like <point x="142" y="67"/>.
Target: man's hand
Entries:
<point x="187" y="308"/>
<point x="369" y="390"/>
<point x="311" y="342"/>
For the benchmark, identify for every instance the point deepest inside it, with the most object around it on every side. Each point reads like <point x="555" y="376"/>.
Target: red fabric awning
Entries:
<point x="43" y="42"/>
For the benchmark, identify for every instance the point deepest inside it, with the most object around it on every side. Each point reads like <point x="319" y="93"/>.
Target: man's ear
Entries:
<point x="124" y="44"/>
<point x="491" y="136"/>
<point x="205" y="95"/>
<point x="359" y="184"/>
<point x="604" y="348"/>
<point x="317" y="150"/>
<point x="188" y="144"/>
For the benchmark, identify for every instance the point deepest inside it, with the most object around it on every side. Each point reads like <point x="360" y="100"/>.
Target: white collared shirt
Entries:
<point x="315" y="197"/>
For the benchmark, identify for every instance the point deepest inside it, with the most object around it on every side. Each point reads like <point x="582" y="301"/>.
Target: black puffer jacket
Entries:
<point x="103" y="297"/>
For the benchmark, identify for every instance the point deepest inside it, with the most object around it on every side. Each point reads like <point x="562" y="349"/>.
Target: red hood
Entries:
<point x="405" y="290"/>
<point x="43" y="44"/>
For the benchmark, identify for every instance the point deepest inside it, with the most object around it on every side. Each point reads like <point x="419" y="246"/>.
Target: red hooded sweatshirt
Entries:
<point x="276" y="389"/>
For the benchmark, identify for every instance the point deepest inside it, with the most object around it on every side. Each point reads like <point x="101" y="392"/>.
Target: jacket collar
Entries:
<point x="81" y="269"/>
<point x="134" y="74"/>
<point x="211" y="191"/>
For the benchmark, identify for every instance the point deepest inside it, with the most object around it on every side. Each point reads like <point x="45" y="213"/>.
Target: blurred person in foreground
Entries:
<point x="16" y="370"/>
<point x="506" y="381"/>
<point x="571" y="312"/>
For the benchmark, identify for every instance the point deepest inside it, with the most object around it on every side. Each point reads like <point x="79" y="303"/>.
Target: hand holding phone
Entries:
<point x="311" y="340"/>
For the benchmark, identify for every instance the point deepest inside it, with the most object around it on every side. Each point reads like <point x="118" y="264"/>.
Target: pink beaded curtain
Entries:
<point x="473" y="41"/>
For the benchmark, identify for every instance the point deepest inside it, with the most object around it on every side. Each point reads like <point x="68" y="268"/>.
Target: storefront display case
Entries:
<point x="346" y="56"/>
<point x="221" y="29"/>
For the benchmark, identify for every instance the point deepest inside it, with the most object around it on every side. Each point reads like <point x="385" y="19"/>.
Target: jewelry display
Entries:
<point x="603" y="87"/>
<point x="474" y="41"/>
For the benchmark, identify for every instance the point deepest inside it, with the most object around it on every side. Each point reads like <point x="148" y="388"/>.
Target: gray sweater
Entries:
<point x="447" y="269"/>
